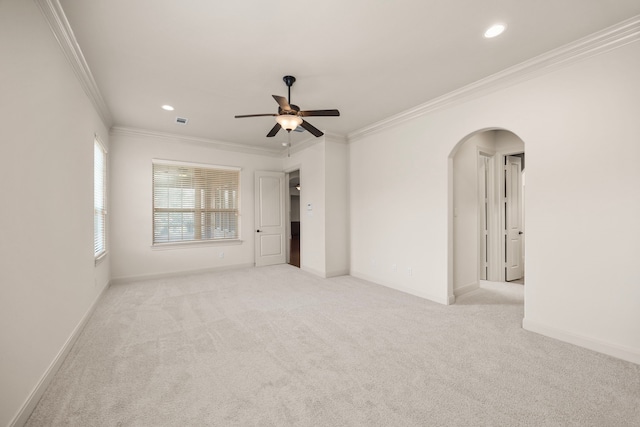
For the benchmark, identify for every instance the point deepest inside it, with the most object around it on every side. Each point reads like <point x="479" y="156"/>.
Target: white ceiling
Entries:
<point x="370" y="59"/>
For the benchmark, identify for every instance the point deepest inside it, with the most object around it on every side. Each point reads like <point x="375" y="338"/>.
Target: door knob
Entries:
<point x="258" y="231"/>
<point x="519" y="232"/>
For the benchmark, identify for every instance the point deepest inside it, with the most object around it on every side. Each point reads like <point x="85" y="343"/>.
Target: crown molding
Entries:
<point x="221" y="145"/>
<point x="312" y="140"/>
<point x="63" y="33"/>
<point x="613" y="37"/>
<point x="299" y="146"/>
<point x="336" y="137"/>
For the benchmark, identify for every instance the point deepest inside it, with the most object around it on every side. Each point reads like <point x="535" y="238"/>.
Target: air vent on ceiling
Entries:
<point x="181" y="120"/>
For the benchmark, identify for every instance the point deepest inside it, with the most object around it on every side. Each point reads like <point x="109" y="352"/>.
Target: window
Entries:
<point x="99" y="199"/>
<point x="194" y="202"/>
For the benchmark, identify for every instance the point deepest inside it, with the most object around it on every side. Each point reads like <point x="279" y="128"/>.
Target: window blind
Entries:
<point x="99" y="199"/>
<point x="194" y="203"/>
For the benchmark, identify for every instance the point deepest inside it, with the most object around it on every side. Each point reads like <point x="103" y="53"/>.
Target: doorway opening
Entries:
<point x="293" y="257"/>
<point x="486" y="211"/>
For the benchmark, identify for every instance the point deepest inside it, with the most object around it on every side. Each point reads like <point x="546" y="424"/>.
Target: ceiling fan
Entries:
<point x="289" y="115"/>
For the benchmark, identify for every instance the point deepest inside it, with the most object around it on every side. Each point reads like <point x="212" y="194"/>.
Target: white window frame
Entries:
<point x="197" y="239"/>
<point x="99" y="200"/>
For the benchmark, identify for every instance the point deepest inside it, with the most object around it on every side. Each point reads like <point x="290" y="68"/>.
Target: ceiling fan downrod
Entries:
<point x="289" y="81"/>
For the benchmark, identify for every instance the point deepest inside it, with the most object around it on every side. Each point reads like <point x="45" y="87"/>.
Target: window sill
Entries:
<point x="195" y="244"/>
<point x="100" y="258"/>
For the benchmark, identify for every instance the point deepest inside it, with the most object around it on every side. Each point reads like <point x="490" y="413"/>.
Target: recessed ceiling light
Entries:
<point x="495" y="30"/>
<point x="168" y="108"/>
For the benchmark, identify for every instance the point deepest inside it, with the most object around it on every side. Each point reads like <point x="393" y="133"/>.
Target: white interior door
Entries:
<point x="270" y="218"/>
<point x="483" y="211"/>
<point x="513" y="218"/>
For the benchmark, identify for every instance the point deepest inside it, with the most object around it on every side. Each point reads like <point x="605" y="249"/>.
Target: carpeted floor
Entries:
<point x="276" y="346"/>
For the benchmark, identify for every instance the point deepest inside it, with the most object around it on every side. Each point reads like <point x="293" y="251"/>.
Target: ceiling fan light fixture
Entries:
<point x="289" y="121"/>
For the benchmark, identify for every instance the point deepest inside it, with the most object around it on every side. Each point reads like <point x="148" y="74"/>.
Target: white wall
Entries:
<point x="310" y="162"/>
<point x="323" y="166"/>
<point x="337" y="205"/>
<point x="324" y="230"/>
<point x="47" y="273"/>
<point x="581" y="132"/>
<point x="398" y="187"/>
<point x="131" y="207"/>
<point x="324" y="235"/>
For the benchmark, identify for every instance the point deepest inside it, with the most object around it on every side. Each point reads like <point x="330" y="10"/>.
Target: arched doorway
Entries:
<point x="486" y="194"/>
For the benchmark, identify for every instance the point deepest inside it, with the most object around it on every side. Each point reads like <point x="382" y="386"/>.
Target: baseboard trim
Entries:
<point x="325" y="274"/>
<point x="465" y="289"/>
<point x="36" y="394"/>
<point x="337" y="273"/>
<point x="440" y="300"/>
<point x="621" y="352"/>
<point x="141" y="277"/>
<point x="314" y="271"/>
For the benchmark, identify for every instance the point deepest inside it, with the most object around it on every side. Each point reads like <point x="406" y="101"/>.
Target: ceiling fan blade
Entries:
<point x="312" y="129"/>
<point x="254" y="115"/>
<point x="274" y="130"/>
<point x="282" y="102"/>
<point x="333" y="113"/>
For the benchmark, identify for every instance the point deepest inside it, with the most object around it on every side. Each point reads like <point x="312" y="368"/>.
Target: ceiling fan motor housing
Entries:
<point x="294" y="110"/>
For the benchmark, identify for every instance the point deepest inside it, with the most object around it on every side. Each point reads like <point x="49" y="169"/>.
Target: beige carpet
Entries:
<point x="276" y="346"/>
